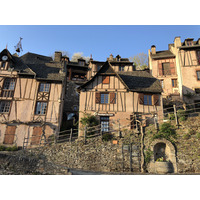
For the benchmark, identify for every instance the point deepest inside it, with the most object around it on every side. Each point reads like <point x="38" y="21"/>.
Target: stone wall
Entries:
<point x="187" y="146"/>
<point x="95" y="155"/>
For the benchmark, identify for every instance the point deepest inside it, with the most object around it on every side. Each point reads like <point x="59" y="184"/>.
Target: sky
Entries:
<point x="96" y="40"/>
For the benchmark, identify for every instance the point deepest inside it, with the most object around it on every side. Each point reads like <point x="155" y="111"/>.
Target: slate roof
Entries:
<point x="42" y="68"/>
<point x="163" y="54"/>
<point x="140" y="81"/>
<point x="47" y="71"/>
<point x="135" y="81"/>
<point x="32" y="58"/>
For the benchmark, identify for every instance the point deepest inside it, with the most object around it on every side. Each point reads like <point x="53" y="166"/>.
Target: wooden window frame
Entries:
<point x="9" y="106"/>
<point x="106" y="120"/>
<point x="41" y="107"/>
<point x="8" y="93"/>
<point x="155" y="99"/>
<point x="162" y="83"/>
<point x="198" y="56"/>
<point x="45" y="86"/>
<point x="175" y="85"/>
<point x="121" y="67"/>
<point x="105" y="93"/>
<point x="198" y="71"/>
<point x="148" y="95"/>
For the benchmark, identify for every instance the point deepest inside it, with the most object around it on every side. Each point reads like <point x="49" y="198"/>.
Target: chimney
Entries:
<point x="57" y="56"/>
<point x="110" y="57"/>
<point x="153" y="49"/>
<point x="177" y="41"/>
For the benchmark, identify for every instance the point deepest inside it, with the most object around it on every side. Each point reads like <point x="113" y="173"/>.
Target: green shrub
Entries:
<point x="186" y="136"/>
<point x="171" y="116"/>
<point x="2" y="148"/>
<point x="181" y="115"/>
<point x="107" y="137"/>
<point x="147" y="156"/>
<point x="166" y="131"/>
<point x="198" y="135"/>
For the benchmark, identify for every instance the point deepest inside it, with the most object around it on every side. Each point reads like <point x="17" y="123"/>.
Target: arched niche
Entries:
<point x="163" y="148"/>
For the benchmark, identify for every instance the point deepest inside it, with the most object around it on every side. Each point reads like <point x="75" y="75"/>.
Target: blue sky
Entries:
<point x="99" y="40"/>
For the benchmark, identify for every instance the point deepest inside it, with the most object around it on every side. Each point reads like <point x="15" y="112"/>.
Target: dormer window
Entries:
<point x="82" y="63"/>
<point x="189" y="43"/>
<point x="3" y="65"/>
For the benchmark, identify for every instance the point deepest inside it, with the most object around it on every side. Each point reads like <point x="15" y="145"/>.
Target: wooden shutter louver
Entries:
<point x="112" y="98"/>
<point x="141" y="98"/>
<point x="172" y="67"/>
<point x="9" y="135"/>
<point x="98" y="97"/>
<point x="156" y="100"/>
<point x="105" y="79"/>
<point x="160" y="70"/>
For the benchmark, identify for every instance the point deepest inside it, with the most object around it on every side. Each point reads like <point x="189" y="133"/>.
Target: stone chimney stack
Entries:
<point x="177" y="41"/>
<point x="153" y="49"/>
<point x="57" y="56"/>
<point x="110" y="57"/>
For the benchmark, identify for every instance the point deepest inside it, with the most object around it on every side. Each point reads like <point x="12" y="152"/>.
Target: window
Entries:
<point x="121" y="68"/>
<point x="5" y="106"/>
<point x="44" y="87"/>
<point x="104" y="98"/>
<point x="41" y="108"/>
<point x="82" y="63"/>
<point x="104" y="123"/>
<point x="105" y="79"/>
<point x="3" y="65"/>
<point x="174" y="83"/>
<point x="197" y="90"/>
<point x="162" y="83"/>
<point x="147" y="99"/>
<point x="166" y="69"/>
<point x="198" y="57"/>
<point x="98" y="67"/>
<point x="189" y="43"/>
<point x="198" y="75"/>
<point x="8" y="87"/>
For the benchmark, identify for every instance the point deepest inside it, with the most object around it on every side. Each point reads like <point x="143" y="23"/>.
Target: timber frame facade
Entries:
<point x="120" y="95"/>
<point x="178" y="69"/>
<point x="31" y="98"/>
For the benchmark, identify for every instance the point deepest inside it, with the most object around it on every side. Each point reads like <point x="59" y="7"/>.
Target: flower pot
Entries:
<point x="163" y="167"/>
<point x="115" y="142"/>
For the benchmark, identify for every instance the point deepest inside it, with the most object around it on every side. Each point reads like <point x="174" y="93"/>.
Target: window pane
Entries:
<point x="145" y="100"/>
<point x="5" y="106"/>
<point x="44" y="87"/>
<point x="104" y="98"/>
<point x="150" y="100"/>
<point x="198" y="75"/>
<point x="166" y="69"/>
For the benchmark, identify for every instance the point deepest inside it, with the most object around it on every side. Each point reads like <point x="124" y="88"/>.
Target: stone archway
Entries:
<point x="163" y="148"/>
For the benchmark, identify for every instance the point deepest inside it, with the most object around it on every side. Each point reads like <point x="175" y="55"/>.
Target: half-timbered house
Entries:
<point x="178" y="69"/>
<point x="31" y="98"/>
<point x="120" y="96"/>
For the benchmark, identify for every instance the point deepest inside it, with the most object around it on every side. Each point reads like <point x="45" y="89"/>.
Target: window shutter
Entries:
<point x="156" y="99"/>
<point x="98" y="97"/>
<point x="141" y="98"/>
<point x="105" y="79"/>
<point x="9" y="135"/>
<point x="36" y="136"/>
<point x="172" y="67"/>
<point x="160" y="70"/>
<point x="112" y="98"/>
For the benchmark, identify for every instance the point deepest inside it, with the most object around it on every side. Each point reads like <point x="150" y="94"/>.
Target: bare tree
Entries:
<point x="78" y="55"/>
<point x="140" y="60"/>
